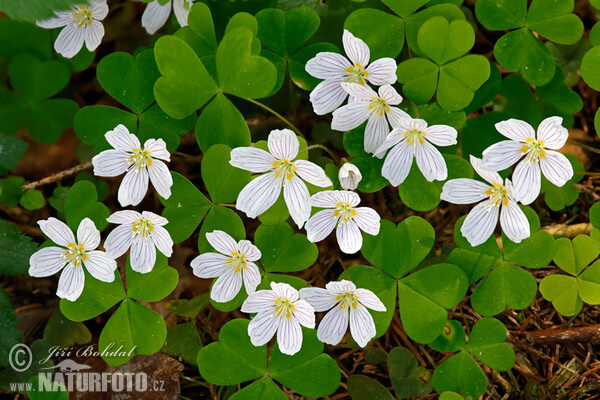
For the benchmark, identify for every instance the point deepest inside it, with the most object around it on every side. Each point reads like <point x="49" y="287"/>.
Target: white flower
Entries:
<point x="335" y="69"/>
<point x="82" y="24"/>
<point x="368" y="105"/>
<point x="139" y="162"/>
<point x="279" y="310"/>
<point x="155" y="15"/>
<point x="73" y="255"/>
<point x="341" y="210"/>
<point x="527" y="175"/>
<point x="344" y="299"/>
<point x="260" y="194"/>
<point x="481" y="221"/>
<point x="349" y="176"/>
<point x="412" y="138"/>
<point x="144" y="233"/>
<point x="232" y="266"/>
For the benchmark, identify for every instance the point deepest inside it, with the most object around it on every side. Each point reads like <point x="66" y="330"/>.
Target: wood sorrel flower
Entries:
<point x="155" y="15"/>
<point x="349" y="176"/>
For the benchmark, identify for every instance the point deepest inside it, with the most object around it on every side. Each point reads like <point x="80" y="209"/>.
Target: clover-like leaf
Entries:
<point x="558" y="198"/>
<point x="82" y="202"/>
<point x="188" y="308"/>
<point x="442" y="41"/>
<point x="589" y="284"/>
<point x="37" y="80"/>
<point x="184" y="340"/>
<point x="223" y="181"/>
<point x="460" y="373"/>
<point x="419" y="78"/>
<point x="451" y="339"/>
<point x="473" y="263"/>
<point x="262" y="389"/>
<point x="223" y="219"/>
<point x="60" y="331"/>
<point x="589" y="68"/>
<point x="283" y="250"/>
<point x="573" y="256"/>
<point x="534" y="252"/>
<point x="154" y="285"/>
<point x="450" y="12"/>
<point x="562" y="291"/>
<point x="92" y="122"/>
<point x="487" y="344"/>
<point x="460" y="79"/>
<point x="555" y="21"/>
<point x="283" y="32"/>
<point x="385" y="39"/>
<point x="362" y="387"/>
<point x="408" y="377"/>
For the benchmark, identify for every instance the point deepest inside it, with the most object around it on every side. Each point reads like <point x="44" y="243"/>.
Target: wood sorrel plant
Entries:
<point x="378" y="120"/>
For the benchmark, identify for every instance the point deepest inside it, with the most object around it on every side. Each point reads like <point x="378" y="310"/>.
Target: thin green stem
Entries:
<point x="584" y="146"/>
<point x="335" y="158"/>
<point x="275" y="113"/>
<point x="226" y="205"/>
<point x="187" y="378"/>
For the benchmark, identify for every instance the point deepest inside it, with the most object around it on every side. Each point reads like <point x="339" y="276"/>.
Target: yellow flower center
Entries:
<point x="356" y="74"/>
<point x="237" y="262"/>
<point x="347" y="300"/>
<point x="415" y="136"/>
<point x="379" y="106"/>
<point x="140" y="159"/>
<point x="534" y="149"/>
<point x="283" y="168"/>
<point x="284" y="306"/>
<point x="142" y="227"/>
<point x="498" y="194"/>
<point x="345" y="211"/>
<point x="83" y="16"/>
<point x="75" y="254"/>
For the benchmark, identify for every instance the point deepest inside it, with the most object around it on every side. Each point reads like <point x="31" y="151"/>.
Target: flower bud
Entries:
<point x="349" y="176"/>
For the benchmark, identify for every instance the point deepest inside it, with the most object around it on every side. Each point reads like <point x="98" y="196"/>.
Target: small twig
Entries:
<point x="275" y="113"/>
<point x="583" y="334"/>
<point x="335" y="159"/>
<point x="569" y="231"/>
<point x="584" y="146"/>
<point x="58" y="176"/>
<point x="587" y="173"/>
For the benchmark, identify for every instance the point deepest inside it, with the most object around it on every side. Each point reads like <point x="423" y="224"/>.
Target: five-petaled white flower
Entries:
<point x="260" y="194"/>
<point x="349" y="176"/>
<point x="481" y="221"/>
<point x="81" y="24"/>
<point x="345" y="302"/>
<point x="232" y="266"/>
<point x="335" y="69"/>
<point x="279" y="310"/>
<point x="371" y="106"/>
<point x="523" y="142"/>
<point x="143" y="233"/>
<point x="73" y="255"/>
<point x="155" y="15"/>
<point x="139" y="162"/>
<point x="412" y="138"/>
<point x="341" y="210"/>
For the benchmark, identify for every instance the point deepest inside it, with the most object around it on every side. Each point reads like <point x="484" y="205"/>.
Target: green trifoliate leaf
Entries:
<point x="283" y="32"/>
<point x="201" y="22"/>
<point x="449" y="11"/>
<point x="460" y="79"/>
<point x="362" y="387"/>
<point x="451" y="339"/>
<point x="419" y="78"/>
<point x="473" y="263"/>
<point x="460" y="373"/>
<point x="500" y="15"/>
<point x="185" y="84"/>
<point x="183" y="340"/>
<point x="15" y="250"/>
<point x="223" y="181"/>
<point x="507" y="286"/>
<point x="155" y="124"/>
<point x="19" y="37"/>
<point x="49" y="118"/>
<point x="221" y="123"/>
<point x="11" y="151"/>
<point x="487" y="344"/>
<point x="154" y="285"/>
<point x="573" y="256"/>
<point x="442" y="41"/>
<point x="10" y="190"/>
<point x="405" y="8"/>
<point x="283" y="250"/>
<point x="555" y="21"/>
<point x="385" y="39"/>
<point x="188" y="308"/>
<point x="13" y="110"/>
<point x="223" y="219"/>
<point x="534" y="252"/>
<point x="262" y="389"/>
<point x="92" y="122"/>
<point x="60" y="331"/>
<point x="32" y="200"/>
<point x="96" y="298"/>
<point x="486" y="93"/>
<point x="562" y="291"/>
<point x="595" y="215"/>
<point x="589" y="284"/>
<point x="408" y="377"/>
<point x="37" y="80"/>
<point x="184" y="209"/>
<point x="82" y="202"/>
<point x="138" y="329"/>
<point x="399" y="249"/>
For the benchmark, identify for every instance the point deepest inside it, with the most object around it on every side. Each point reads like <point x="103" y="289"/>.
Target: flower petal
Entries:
<point x="124" y="217"/>
<point x="502" y="155"/>
<point x="157" y="149"/>
<point x="155" y="219"/>
<point x="209" y="265"/>
<point x="260" y="302"/>
<point x="289" y="336"/>
<point x="329" y="198"/>
<point x="350" y="116"/>
<point x="121" y="139"/>
<point x="118" y="241"/>
<point x="110" y="163"/>
<point x="397" y="164"/>
<point x="93" y="35"/>
<point x="349" y="237"/>
<point x="251" y="159"/>
<point x="155" y="16"/>
<point x="357" y="50"/>
<point x="297" y="199"/>
<point x="222" y="242"/>
<point x="226" y="287"/>
<point x="368" y="299"/>
<point x="376" y="131"/>
<point x="349" y="176"/>
<point x="431" y="162"/>
<point x="362" y="326"/>
<point x="358" y="91"/>
<point x="259" y="195"/>
<point x="394" y="137"/>
<point x="284" y="290"/>
<point x="327" y="96"/>
<point x="441" y="135"/>
<point x="395" y="117"/>
<point x="312" y="173"/>
<point x="100" y="266"/>
<point x="162" y="240"/>
<point x="328" y="65"/>
<point x="99" y="9"/>
<point x="304" y="313"/>
<point x="480" y="223"/>
<point x="262" y="328"/>
<point x="161" y="178"/>
<point x="133" y="187"/>
<point x="142" y="256"/>
<point x="71" y="283"/>
<point x="283" y="144"/>
<point x="88" y="235"/>
<point x="556" y="167"/>
<point x="514" y="223"/>
<point x="516" y="129"/>
<point x="251" y="277"/>
<point x="389" y="94"/>
<point x="320" y="225"/>
<point x="382" y="71"/>
<point x="367" y="220"/>
<point x="181" y="12"/>
<point x="408" y="124"/>
<point x="341" y="287"/>
<point x="70" y="40"/>
<point x="60" y="19"/>
<point x="46" y="262"/>
<point x="527" y="180"/>
<point x="320" y="299"/>
<point x="250" y="251"/>
<point x="57" y="231"/>
<point x="552" y="133"/>
<point x="464" y="191"/>
<point x="333" y="326"/>
<point x="489" y="176"/>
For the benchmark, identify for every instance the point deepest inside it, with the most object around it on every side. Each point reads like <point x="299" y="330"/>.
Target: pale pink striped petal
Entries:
<point x="376" y="131"/>
<point x="297" y="200"/>
<point x="209" y="265"/>
<point x="259" y="195"/>
<point x="162" y="240"/>
<point x="182" y="8"/>
<point x="142" y="256"/>
<point x="464" y="191"/>
<point x="368" y="299"/>
<point x="328" y="65"/>
<point x="441" y="135"/>
<point x="46" y="262"/>
<point x="57" y="231"/>
<point x="124" y="217"/>
<point x="119" y="240"/>
<point x="389" y="94"/>
<point x="283" y="144"/>
<point x="516" y="129"/>
<point x="155" y="16"/>
<point x="357" y="50"/>
<point x="556" y="167"/>
<point x="289" y="336"/>
<point x="350" y="116"/>
<point x="263" y="300"/>
<point x="480" y="223"/>
<point x="527" y="180"/>
<point x="367" y="220"/>
<point x="262" y="327"/>
<point x="430" y="162"/>
<point x="161" y="178"/>
<point x="251" y="159"/>
<point x="333" y="326"/>
<point x="155" y="219"/>
<point x="93" y="35"/>
<point x="359" y="92"/>
<point x="408" y="124"/>
<point x="226" y="286"/>
<point x="60" y="19"/>
<point x="395" y="116"/>
<point x="320" y="299"/>
<point x="320" y="225"/>
<point x="70" y="40"/>
<point x="88" y="235"/>
<point x="100" y="266"/>
<point x="327" y="96"/>
<point x="250" y="251"/>
<point x="489" y="176"/>
<point x="552" y="133"/>
<point x="133" y="187"/>
<point x="349" y="237"/>
<point x="99" y="9"/>
<point x="312" y="173"/>
<point x="157" y="149"/>
<point x="329" y="198"/>
<point x="397" y="164"/>
<point x="110" y="163"/>
<point x="121" y="139"/>
<point x="285" y="290"/>
<point x="251" y="277"/>
<point x="514" y="222"/>
<point x="304" y="313"/>
<point x="71" y="282"/>
<point x="341" y="287"/>
<point x="362" y="326"/>
<point x="382" y="71"/>
<point x="222" y="242"/>
<point x="502" y="155"/>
